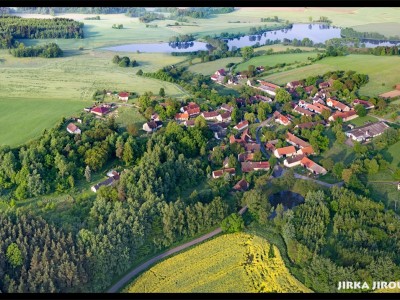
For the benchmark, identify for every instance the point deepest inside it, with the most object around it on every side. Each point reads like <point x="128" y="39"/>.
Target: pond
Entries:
<point x="318" y="33"/>
<point x="287" y="198"/>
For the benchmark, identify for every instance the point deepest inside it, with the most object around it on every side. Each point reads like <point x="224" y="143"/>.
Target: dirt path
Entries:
<point x="128" y="277"/>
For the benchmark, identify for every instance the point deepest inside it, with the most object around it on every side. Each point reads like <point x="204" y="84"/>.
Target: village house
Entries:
<point x="218" y="76"/>
<point x="268" y="87"/>
<point x="252" y="147"/>
<point x="324" y="85"/>
<point x="259" y="98"/>
<point x="306" y="151"/>
<point x="241" y="125"/>
<point x="250" y="166"/>
<point x="312" y="166"/>
<point x="309" y="125"/>
<point x="295" y="141"/>
<point x="309" y="89"/>
<point x="366" y="104"/>
<point x="182" y="116"/>
<point x="189" y="123"/>
<point x="113" y="177"/>
<point x="293" y="84"/>
<point x="245" y="157"/>
<point x="242" y="185"/>
<point x="100" y="110"/>
<point x="338" y="105"/>
<point x="220" y="173"/>
<point x="293" y="161"/>
<point x="244" y="138"/>
<point x="345" y="116"/>
<point x="281" y="119"/>
<point x="152" y="126"/>
<point x="210" y="116"/>
<point x="317" y="108"/>
<point x="224" y="117"/>
<point x="285" y="151"/>
<point x="73" y="129"/>
<point x="192" y="108"/>
<point x="302" y="111"/>
<point x="318" y="100"/>
<point x="366" y="132"/>
<point x="227" y="107"/>
<point x="123" y="96"/>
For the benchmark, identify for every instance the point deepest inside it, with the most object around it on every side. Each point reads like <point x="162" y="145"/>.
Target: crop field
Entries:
<point x="272" y="60"/>
<point x="24" y="119"/>
<point x="382" y="71"/>
<point x="229" y="263"/>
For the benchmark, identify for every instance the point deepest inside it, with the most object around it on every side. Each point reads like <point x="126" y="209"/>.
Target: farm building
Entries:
<point x="123" y="96"/>
<point x="220" y="173"/>
<point x="152" y="126"/>
<point x="346" y="116"/>
<point x="111" y="180"/>
<point x="285" y="151"/>
<point x="368" y="131"/>
<point x="291" y="162"/>
<point x="312" y="166"/>
<point x="249" y="166"/>
<point x="100" y="110"/>
<point x="242" y="125"/>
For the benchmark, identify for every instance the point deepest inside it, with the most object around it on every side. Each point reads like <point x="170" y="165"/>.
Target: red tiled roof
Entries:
<point x="227" y="107"/>
<point x="249" y="166"/>
<point x="241" y="185"/>
<point x="242" y="125"/>
<point x="286" y="150"/>
<point x="183" y="116"/>
<point x="123" y="94"/>
<point x="307" y="150"/>
<point x="209" y="114"/>
<point x="344" y="115"/>
<point x="245" y="157"/>
<point x="303" y="111"/>
<point x="298" y="141"/>
<point x="193" y="111"/>
<point x="100" y="110"/>
<point x="72" y="127"/>
<point x="268" y="84"/>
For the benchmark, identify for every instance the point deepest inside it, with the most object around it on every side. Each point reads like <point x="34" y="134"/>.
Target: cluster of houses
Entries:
<point x="297" y="157"/>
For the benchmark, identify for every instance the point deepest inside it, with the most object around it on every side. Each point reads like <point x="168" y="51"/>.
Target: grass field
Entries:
<point x="210" y="67"/>
<point x="382" y="71"/>
<point x="24" y="119"/>
<point x="37" y="92"/>
<point x="360" y="121"/>
<point x="272" y="60"/>
<point x="281" y="47"/>
<point x="129" y="115"/>
<point x="229" y="263"/>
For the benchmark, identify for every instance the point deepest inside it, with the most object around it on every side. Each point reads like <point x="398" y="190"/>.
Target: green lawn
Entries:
<point x="129" y="115"/>
<point x="340" y="153"/>
<point x="382" y="71"/>
<point x="281" y="47"/>
<point x="360" y="121"/>
<point x="272" y="60"/>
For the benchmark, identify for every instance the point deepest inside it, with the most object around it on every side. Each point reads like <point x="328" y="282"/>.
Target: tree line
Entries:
<point x="48" y="51"/>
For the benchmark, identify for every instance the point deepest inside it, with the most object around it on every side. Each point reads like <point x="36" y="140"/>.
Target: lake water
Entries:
<point x="318" y="33"/>
<point x="287" y="198"/>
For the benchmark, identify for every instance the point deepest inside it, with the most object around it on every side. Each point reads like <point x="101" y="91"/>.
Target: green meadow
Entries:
<point x="382" y="71"/>
<point x="24" y="119"/>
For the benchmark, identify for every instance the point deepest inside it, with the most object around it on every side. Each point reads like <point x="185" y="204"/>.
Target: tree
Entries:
<point x="346" y="175"/>
<point x="381" y="104"/>
<point x="88" y="174"/>
<point x="116" y="59"/>
<point x="139" y="72"/>
<point x="257" y="156"/>
<point x="282" y="95"/>
<point x="162" y="92"/>
<point x="232" y="223"/>
<point x="14" y="255"/>
<point x="340" y="137"/>
<point x="250" y="117"/>
<point x="200" y="122"/>
<point x="236" y="115"/>
<point x="247" y="52"/>
<point x="127" y="156"/>
<point x="232" y="161"/>
<point x="338" y="169"/>
<point x="361" y="110"/>
<point x="328" y="163"/>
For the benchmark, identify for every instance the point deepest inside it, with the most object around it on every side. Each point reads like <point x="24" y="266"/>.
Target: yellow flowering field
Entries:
<point x="236" y="263"/>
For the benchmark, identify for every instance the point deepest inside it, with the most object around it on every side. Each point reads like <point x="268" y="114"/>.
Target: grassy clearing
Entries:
<point x="281" y="47"/>
<point x="360" y="121"/>
<point x="230" y="263"/>
<point x="272" y="60"/>
<point x="382" y="71"/>
<point x="129" y="115"/>
<point x="341" y="153"/>
<point x="36" y="115"/>
<point x="210" y="67"/>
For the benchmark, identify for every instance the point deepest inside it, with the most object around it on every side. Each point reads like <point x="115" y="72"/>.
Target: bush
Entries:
<point x="232" y="223"/>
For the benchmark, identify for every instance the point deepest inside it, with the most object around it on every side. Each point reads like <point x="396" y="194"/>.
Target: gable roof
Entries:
<point x="268" y="84"/>
<point x="100" y="110"/>
<point x="286" y="150"/>
<point x="249" y="166"/>
<point x="123" y="94"/>
<point x="242" y="125"/>
<point x="72" y="127"/>
<point x="343" y="115"/>
<point x="297" y="141"/>
<point x="227" y="107"/>
<point x="210" y="114"/>
<point x="309" y="164"/>
<point x="302" y="111"/>
<point x="369" y="130"/>
<point x="181" y="116"/>
<point x="241" y="185"/>
<point x="307" y="150"/>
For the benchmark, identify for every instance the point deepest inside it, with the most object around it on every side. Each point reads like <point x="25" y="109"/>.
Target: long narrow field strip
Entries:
<point x="230" y="263"/>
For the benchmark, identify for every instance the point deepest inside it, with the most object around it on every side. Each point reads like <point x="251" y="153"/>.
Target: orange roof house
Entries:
<point x="285" y="151"/>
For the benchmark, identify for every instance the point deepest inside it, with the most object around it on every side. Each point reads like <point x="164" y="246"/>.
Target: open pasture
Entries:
<point x="229" y="263"/>
<point x="382" y="71"/>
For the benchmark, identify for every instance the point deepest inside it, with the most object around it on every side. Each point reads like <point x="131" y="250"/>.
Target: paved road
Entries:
<point x="124" y="280"/>
<point x="258" y="141"/>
